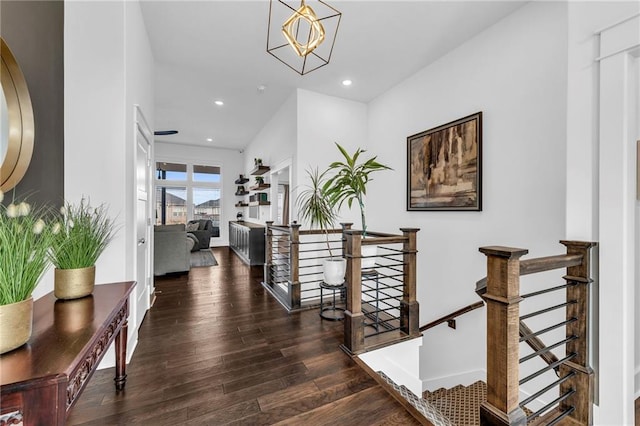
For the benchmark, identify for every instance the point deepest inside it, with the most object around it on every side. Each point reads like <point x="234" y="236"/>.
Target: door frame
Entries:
<point x="144" y="135"/>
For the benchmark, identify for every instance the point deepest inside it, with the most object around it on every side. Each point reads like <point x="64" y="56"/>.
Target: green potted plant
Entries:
<point x="315" y="208"/>
<point x="25" y="238"/>
<point x="84" y="234"/>
<point x="350" y="184"/>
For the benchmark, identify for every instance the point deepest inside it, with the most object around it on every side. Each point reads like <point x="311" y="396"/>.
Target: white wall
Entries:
<point x="515" y="73"/>
<point x="323" y="121"/>
<point x="304" y="130"/>
<point x="232" y="165"/>
<point x="600" y="183"/>
<point x="108" y="69"/>
<point x="95" y="116"/>
<point x="274" y="144"/>
<point x="637" y="245"/>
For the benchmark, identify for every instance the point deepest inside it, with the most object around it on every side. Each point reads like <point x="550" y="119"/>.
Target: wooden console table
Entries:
<point x="40" y="381"/>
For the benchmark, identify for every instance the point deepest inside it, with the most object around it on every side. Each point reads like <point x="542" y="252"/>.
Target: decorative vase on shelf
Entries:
<point x="25" y="239"/>
<point x="84" y="234"/>
<point x="74" y="283"/>
<point x="16" y="321"/>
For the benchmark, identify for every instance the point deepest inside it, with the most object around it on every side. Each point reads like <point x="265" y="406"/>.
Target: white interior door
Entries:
<point x="144" y="289"/>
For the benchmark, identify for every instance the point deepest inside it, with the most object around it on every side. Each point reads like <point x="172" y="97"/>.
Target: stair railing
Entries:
<point x="450" y="319"/>
<point x="506" y="330"/>
<point x="381" y="305"/>
<point x="293" y="262"/>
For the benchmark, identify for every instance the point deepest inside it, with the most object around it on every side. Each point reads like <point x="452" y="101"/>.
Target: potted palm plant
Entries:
<point x="84" y="234"/>
<point x="314" y="207"/>
<point x="350" y="184"/>
<point x="25" y="238"/>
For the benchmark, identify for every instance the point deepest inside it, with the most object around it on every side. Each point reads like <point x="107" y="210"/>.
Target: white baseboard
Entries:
<point x="447" y="382"/>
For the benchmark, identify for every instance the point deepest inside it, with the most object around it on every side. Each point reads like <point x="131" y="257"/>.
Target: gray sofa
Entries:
<point x="203" y="230"/>
<point x="171" y="249"/>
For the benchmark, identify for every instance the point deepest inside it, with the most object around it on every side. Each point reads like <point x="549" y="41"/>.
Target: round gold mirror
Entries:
<point x="16" y="122"/>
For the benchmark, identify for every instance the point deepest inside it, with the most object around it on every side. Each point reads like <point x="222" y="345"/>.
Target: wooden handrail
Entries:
<point x="540" y="264"/>
<point x="452" y="316"/>
<point x="376" y="238"/>
<point x="549" y="263"/>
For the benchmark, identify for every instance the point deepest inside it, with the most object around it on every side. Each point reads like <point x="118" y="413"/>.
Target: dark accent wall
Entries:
<point x="34" y="31"/>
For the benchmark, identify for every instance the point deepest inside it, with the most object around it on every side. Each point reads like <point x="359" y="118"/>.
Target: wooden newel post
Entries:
<point x="503" y="318"/>
<point x="268" y="252"/>
<point x="409" y="308"/>
<point x="294" y="266"/>
<point x="346" y="226"/>
<point x="578" y="290"/>
<point x="353" y="316"/>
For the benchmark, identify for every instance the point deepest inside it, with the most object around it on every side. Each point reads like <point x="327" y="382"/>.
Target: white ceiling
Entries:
<point x="208" y="50"/>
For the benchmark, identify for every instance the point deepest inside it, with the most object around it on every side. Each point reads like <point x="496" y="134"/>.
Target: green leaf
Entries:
<point x="350" y="180"/>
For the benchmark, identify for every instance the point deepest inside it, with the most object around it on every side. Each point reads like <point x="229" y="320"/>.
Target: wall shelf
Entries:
<point x="241" y="204"/>
<point x="242" y="193"/>
<point x="260" y="187"/>
<point x="242" y="180"/>
<point x="259" y="203"/>
<point x="260" y="170"/>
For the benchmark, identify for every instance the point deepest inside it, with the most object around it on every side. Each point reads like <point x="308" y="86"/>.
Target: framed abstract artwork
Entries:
<point x="444" y="166"/>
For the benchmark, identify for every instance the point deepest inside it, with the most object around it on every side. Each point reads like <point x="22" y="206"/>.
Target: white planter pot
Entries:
<point x="333" y="270"/>
<point x="369" y="256"/>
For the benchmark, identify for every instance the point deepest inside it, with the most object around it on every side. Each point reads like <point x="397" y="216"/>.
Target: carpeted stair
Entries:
<point x="460" y="404"/>
<point x="425" y="408"/>
<point x="457" y="406"/>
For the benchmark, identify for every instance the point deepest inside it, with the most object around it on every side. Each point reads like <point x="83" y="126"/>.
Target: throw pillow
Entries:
<point x="193" y="226"/>
<point x="195" y="241"/>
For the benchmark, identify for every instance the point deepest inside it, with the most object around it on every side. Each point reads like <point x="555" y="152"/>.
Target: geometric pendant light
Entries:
<point x="301" y="34"/>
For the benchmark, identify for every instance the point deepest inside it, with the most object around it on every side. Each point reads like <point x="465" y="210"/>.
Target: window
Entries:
<point x="188" y="191"/>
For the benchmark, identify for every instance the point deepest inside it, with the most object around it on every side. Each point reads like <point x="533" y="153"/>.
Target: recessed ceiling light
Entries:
<point x="219" y="103"/>
<point x="209" y="140"/>
<point x="347" y="82"/>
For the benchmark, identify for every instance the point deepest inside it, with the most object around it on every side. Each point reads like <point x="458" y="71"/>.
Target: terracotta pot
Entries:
<point x="74" y="283"/>
<point x="16" y="320"/>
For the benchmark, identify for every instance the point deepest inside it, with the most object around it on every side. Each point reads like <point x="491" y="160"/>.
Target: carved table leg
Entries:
<point x="121" y="357"/>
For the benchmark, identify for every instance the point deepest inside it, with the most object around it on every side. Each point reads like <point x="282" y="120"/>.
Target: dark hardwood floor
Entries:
<point x="217" y="349"/>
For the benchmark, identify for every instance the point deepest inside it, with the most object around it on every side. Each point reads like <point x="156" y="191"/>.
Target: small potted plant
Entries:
<point x="315" y="208"/>
<point x="84" y="234"/>
<point x="25" y="238"/>
<point x="350" y="184"/>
